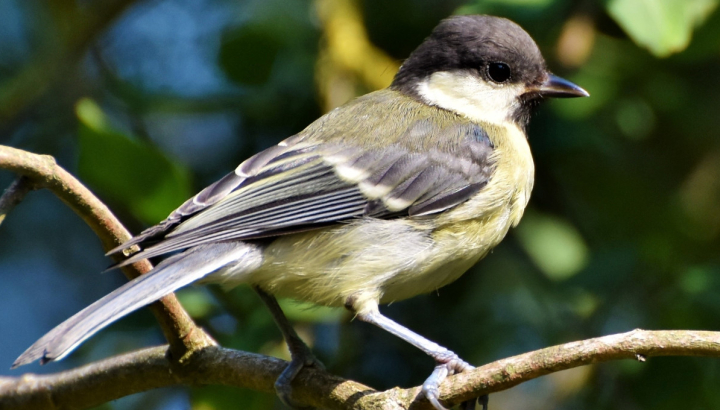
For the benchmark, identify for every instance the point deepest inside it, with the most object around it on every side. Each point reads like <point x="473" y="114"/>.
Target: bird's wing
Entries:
<point x="302" y="184"/>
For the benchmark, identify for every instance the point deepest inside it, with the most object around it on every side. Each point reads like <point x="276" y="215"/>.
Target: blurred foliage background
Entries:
<point x="147" y="101"/>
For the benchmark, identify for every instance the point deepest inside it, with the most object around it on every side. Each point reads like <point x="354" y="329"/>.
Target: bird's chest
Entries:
<point x="467" y="233"/>
<point x="517" y="167"/>
<point x="488" y="216"/>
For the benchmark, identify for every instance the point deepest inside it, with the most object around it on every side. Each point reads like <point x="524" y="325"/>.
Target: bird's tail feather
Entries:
<point x="170" y="275"/>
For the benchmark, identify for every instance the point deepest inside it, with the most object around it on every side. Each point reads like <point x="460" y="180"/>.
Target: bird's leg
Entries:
<point x="299" y="352"/>
<point x="447" y="362"/>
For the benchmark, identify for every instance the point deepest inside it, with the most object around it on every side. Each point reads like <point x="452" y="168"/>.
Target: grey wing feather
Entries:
<point x="306" y="197"/>
<point x="211" y="195"/>
<point x="445" y="200"/>
<point x="304" y="184"/>
<point x="208" y="196"/>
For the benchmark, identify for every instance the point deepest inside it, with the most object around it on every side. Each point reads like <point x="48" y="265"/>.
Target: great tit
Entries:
<point x="391" y="195"/>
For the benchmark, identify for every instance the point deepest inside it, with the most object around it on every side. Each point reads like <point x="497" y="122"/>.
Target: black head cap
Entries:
<point x="471" y="43"/>
<point x="494" y="48"/>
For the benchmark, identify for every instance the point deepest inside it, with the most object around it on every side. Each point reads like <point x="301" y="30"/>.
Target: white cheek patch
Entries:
<point x="471" y="96"/>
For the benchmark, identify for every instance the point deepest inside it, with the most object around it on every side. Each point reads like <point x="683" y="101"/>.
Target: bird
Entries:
<point x="394" y="194"/>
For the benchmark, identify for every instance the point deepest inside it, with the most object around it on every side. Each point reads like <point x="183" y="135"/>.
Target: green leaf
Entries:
<point x="663" y="26"/>
<point x="127" y="170"/>
<point x="553" y="244"/>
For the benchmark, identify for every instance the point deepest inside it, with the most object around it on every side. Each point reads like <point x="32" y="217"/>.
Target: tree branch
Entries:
<point x="637" y="345"/>
<point x="43" y="172"/>
<point x="146" y="369"/>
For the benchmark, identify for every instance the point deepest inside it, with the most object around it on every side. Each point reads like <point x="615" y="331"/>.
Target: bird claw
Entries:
<point x="448" y="364"/>
<point x="431" y="390"/>
<point x="283" y="384"/>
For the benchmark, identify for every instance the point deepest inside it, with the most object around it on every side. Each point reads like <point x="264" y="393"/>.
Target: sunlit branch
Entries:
<point x="147" y="369"/>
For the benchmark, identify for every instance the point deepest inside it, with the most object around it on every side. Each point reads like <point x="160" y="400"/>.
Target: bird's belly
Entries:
<point x="456" y="249"/>
<point x="384" y="260"/>
<point x="405" y="286"/>
<point x="328" y="266"/>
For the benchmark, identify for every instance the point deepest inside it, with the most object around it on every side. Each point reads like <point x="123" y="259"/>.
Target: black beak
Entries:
<point x="557" y="87"/>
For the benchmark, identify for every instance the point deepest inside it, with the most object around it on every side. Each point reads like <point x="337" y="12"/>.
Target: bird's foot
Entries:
<point x="283" y="386"/>
<point x="448" y="364"/>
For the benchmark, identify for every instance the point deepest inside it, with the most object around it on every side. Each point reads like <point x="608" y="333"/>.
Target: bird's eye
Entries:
<point x="498" y="72"/>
